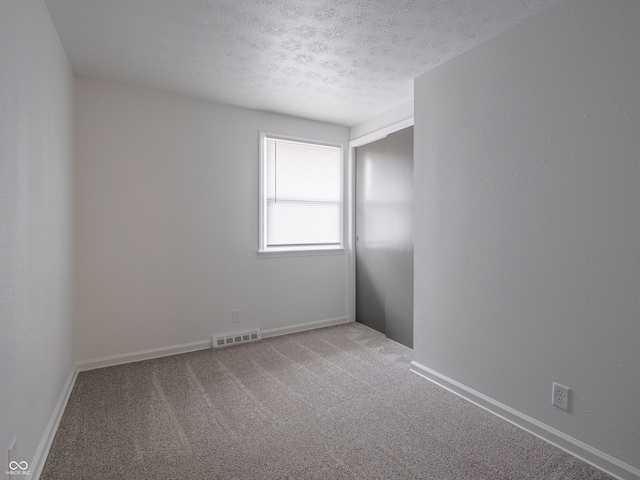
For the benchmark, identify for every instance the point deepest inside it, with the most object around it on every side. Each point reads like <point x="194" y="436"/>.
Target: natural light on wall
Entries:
<point x="301" y="195"/>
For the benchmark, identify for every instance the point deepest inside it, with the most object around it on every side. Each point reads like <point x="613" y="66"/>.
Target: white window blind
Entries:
<point x="303" y="194"/>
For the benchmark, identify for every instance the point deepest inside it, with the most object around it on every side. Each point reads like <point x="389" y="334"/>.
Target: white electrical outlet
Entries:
<point x="235" y="316"/>
<point x="560" y="396"/>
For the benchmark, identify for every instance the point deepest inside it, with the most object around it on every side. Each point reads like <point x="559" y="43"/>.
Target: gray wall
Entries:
<point x="167" y="224"/>
<point x="36" y="224"/>
<point x="527" y="220"/>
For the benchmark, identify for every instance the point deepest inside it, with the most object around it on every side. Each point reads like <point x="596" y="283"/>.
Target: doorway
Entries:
<point x="384" y="235"/>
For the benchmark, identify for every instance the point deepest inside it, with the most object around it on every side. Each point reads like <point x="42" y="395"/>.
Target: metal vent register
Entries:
<point x="236" y="338"/>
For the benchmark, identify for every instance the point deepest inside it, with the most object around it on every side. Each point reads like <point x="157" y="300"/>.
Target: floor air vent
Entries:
<point x="236" y="338"/>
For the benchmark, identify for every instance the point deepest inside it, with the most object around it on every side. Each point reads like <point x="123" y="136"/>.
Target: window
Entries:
<point x="300" y="195"/>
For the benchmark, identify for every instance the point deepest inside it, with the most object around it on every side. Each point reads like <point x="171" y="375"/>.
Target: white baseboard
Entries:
<point x="112" y="360"/>
<point x="142" y="355"/>
<point x="302" y="327"/>
<point x="585" y="452"/>
<point x="39" y="459"/>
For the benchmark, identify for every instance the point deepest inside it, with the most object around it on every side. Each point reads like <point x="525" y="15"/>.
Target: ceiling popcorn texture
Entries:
<point x="341" y="61"/>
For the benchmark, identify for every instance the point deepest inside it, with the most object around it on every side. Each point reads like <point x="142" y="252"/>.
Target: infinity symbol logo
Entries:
<point x="18" y="465"/>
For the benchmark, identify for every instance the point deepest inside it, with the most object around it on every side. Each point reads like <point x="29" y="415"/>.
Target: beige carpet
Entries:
<point x="338" y="402"/>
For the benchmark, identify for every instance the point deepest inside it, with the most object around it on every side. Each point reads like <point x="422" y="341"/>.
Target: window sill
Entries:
<point x="302" y="252"/>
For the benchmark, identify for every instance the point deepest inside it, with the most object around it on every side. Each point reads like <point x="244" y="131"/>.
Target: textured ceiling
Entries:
<point x="341" y="61"/>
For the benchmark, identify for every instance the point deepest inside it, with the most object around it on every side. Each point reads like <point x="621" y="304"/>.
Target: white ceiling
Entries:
<point x="341" y="61"/>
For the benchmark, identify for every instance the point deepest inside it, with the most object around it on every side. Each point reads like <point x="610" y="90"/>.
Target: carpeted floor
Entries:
<point x="338" y="402"/>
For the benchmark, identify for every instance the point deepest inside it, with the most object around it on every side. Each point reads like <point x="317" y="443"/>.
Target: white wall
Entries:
<point x="36" y="227"/>
<point x="527" y="220"/>
<point x="167" y="224"/>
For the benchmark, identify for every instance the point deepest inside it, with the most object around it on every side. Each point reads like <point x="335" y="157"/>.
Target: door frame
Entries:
<point x="351" y="200"/>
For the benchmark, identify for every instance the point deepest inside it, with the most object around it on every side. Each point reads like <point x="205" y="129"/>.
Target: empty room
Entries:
<point x="320" y="239"/>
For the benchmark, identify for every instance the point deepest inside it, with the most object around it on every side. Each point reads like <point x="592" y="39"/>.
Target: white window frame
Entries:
<point x="263" y="250"/>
